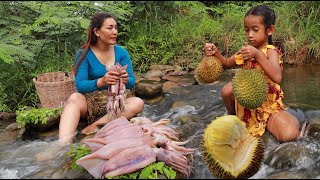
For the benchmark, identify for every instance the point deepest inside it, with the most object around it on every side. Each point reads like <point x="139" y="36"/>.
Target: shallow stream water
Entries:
<point x="190" y="109"/>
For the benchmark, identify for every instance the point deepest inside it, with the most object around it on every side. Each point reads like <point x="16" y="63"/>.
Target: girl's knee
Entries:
<point x="227" y="90"/>
<point x="288" y="135"/>
<point x="283" y="126"/>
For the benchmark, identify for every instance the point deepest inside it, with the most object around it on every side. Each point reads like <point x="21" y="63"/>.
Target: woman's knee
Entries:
<point x="77" y="100"/>
<point x="139" y="103"/>
<point x="136" y="104"/>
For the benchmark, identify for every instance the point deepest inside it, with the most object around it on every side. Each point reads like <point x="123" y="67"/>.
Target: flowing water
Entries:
<point x="190" y="109"/>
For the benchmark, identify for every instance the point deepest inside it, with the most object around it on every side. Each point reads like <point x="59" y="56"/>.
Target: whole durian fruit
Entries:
<point x="229" y="150"/>
<point x="250" y="88"/>
<point x="208" y="70"/>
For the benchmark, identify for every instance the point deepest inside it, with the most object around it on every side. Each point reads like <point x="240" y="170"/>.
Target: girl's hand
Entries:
<point x="124" y="75"/>
<point x="210" y="49"/>
<point x="248" y="52"/>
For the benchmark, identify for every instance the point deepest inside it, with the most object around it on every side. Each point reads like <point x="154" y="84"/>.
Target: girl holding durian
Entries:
<point x="259" y="53"/>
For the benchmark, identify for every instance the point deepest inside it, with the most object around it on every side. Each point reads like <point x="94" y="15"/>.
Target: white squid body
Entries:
<point x="123" y="146"/>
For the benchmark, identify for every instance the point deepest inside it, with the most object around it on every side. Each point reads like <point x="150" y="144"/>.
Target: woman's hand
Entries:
<point x="124" y="75"/>
<point x="248" y="52"/>
<point x="110" y="78"/>
<point x="210" y="49"/>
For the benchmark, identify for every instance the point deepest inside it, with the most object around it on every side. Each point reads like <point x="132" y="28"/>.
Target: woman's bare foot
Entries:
<point x="91" y="129"/>
<point x="52" y="151"/>
<point x="95" y="127"/>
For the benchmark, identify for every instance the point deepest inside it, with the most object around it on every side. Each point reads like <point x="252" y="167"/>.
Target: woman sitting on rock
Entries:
<point x="92" y="79"/>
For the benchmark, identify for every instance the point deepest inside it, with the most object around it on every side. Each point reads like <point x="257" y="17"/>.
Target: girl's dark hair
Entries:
<point x="267" y="14"/>
<point x="96" y="22"/>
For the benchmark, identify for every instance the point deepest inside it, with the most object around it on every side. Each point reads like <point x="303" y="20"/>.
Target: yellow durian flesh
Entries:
<point x="208" y="70"/>
<point x="229" y="150"/>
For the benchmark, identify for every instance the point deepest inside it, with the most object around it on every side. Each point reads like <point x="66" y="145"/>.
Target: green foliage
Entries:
<point x="175" y="36"/>
<point x="297" y="25"/>
<point x="76" y="152"/>
<point x="35" y="116"/>
<point x="151" y="171"/>
<point x="16" y="86"/>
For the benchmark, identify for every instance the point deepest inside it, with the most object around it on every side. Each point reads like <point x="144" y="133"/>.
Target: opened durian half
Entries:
<point x="229" y="150"/>
<point x="250" y="88"/>
<point x="208" y="70"/>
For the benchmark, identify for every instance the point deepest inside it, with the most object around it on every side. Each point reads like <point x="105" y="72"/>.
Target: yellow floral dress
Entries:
<point x="256" y="119"/>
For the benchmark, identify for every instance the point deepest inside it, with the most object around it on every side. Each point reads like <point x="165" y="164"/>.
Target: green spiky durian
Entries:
<point x="229" y="150"/>
<point x="208" y="70"/>
<point x="250" y="88"/>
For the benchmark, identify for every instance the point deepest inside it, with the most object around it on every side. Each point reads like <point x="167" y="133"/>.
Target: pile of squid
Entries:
<point x="116" y="94"/>
<point x="125" y="146"/>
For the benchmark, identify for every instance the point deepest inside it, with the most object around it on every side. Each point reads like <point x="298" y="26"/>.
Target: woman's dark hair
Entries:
<point x="96" y="22"/>
<point x="267" y="14"/>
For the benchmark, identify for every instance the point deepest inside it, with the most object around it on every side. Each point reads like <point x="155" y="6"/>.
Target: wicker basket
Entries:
<point x="54" y="88"/>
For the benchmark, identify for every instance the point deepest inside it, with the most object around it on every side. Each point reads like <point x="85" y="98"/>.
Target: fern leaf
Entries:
<point x="5" y="56"/>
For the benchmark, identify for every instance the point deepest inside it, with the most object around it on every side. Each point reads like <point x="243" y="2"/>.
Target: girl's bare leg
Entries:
<point x="284" y="127"/>
<point x="228" y="98"/>
<point x="134" y="106"/>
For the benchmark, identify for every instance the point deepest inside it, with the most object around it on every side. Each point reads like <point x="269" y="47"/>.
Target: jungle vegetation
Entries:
<point x="43" y="36"/>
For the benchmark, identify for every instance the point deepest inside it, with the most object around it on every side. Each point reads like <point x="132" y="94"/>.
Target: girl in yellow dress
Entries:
<point x="261" y="54"/>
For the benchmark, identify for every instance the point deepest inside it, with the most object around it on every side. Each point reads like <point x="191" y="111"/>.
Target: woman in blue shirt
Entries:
<point x="92" y="79"/>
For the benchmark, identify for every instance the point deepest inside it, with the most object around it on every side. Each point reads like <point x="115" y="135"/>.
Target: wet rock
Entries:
<point x="312" y="114"/>
<point x="290" y="155"/>
<point x="65" y="172"/>
<point x="181" y="80"/>
<point x="161" y="67"/>
<point x="153" y="100"/>
<point x="269" y="140"/>
<point x="52" y="121"/>
<point x="178" y="73"/>
<point x="167" y="86"/>
<point x="155" y="79"/>
<point x="11" y="133"/>
<point x="7" y="116"/>
<point x="148" y="89"/>
<point x="313" y="131"/>
<point x="154" y="73"/>
<point x="189" y="129"/>
<point x="293" y="174"/>
<point x="178" y="104"/>
<point x="49" y="133"/>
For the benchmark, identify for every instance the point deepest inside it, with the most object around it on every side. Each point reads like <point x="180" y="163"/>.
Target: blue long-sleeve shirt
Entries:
<point x="91" y="69"/>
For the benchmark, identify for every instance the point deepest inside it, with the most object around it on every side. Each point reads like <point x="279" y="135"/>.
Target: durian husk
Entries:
<point x="229" y="150"/>
<point x="208" y="70"/>
<point x="250" y="88"/>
